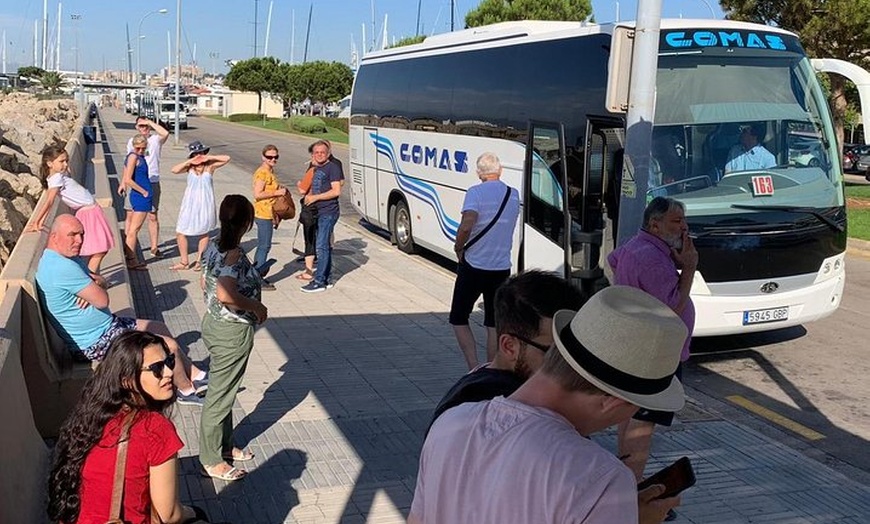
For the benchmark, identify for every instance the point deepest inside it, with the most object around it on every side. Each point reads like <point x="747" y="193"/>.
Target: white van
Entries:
<point x="344" y="107"/>
<point x="166" y="114"/>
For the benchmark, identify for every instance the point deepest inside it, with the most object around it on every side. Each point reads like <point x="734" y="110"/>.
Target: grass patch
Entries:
<point x="858" y="191"/>
<point x="283" y="125"/>
<point x="859" y="223"/>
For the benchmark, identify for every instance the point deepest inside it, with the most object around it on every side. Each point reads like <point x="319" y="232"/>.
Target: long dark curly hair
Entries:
<point x="115" y="386"/>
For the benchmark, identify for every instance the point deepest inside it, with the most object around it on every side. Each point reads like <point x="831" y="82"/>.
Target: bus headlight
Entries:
<point x="831" y="267"/>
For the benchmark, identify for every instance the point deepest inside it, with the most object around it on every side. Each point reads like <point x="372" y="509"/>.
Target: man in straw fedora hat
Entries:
<point x="527" y="458"/>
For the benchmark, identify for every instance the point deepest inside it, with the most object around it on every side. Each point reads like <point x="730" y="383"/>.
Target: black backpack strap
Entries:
<point x="492" y="222"/>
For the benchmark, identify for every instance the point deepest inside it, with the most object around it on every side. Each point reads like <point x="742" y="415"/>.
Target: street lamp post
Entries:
<point x="139" y="37"/>
<point x="75" y="18"/>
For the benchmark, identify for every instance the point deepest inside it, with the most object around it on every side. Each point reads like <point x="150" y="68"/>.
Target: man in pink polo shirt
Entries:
<point x="661" y="260"/>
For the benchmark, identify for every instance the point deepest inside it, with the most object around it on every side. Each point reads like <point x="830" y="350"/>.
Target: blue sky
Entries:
<point x="224" y="29"/>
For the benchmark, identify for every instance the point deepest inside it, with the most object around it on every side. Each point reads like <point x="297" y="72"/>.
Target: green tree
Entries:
<point x="829" y="29"/>
<point x="31" y="72"/>
<point x="409" y="40"/>
<point x="320" y="81"/>
<point x="52" y="81"/>
<point x="283" y="88"/>
<point x="493" y="11"/>
<point x="261" y="75"/>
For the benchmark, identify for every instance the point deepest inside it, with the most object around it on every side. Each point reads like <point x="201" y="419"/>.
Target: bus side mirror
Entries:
<point x="619" y="69"/>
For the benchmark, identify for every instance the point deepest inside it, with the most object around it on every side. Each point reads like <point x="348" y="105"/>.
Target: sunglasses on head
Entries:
<point x="271" y="157"/>
<point x="524" y="340"/>
<point x="157" y="367"/>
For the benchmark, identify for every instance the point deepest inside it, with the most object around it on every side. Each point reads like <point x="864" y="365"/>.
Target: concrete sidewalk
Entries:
<point x="341" y="385"/>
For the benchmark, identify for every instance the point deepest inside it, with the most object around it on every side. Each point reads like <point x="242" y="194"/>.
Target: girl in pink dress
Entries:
<point x="56" y="180"/>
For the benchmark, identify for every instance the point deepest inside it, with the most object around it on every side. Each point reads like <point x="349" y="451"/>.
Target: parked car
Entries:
<point x="806" y="151"/>
<point x="854" y="154"/>
<point x="166" y="114"/>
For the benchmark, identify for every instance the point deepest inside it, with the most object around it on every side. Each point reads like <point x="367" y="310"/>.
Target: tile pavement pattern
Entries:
<point x="341" y="384"/>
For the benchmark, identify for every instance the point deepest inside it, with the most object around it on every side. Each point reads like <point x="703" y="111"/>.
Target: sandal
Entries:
<point x="197" y="266"/>
<point x="180" y="266"/>
<point x="305" y="275"/>
<point x="239" y="455"/>
<point x="230" y="475"/>
<point x="156" y="253"/>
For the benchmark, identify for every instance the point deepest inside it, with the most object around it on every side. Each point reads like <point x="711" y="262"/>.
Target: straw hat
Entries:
<point x="627" y="343"/>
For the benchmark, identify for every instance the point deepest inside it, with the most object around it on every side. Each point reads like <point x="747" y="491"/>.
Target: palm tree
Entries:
<point x="52" y="81"/>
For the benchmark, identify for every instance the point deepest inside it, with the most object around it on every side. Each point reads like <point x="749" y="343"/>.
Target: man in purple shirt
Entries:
<point x="661" y="260"/>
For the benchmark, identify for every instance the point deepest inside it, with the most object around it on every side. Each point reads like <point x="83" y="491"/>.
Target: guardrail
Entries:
<point x="39" y="381"/>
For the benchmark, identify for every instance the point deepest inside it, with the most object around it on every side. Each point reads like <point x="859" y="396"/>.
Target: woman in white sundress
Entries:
<point x="198" y="214"/>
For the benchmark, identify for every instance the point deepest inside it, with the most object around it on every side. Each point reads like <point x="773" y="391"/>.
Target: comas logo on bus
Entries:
<point x="683" y="39"/>
<point x="433" y="157"/>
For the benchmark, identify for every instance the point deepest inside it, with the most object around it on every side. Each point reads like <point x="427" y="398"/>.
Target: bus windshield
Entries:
<point x="742" y="129"/>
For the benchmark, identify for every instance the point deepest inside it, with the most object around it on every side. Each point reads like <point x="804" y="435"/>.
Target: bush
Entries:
<point x="336" y="123"/>
<point x="245" y="117"/>
<point x="307" y="124"/>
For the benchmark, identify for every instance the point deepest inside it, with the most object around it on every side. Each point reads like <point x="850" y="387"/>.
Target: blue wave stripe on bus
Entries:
<point x="417" y="188"/>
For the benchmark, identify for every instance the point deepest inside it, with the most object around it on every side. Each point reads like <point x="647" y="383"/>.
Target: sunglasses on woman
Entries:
<point x="157" y="367"/>
<point x="271" y="157"/>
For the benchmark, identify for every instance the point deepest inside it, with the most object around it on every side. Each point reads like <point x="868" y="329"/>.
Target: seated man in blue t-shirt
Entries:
<point x="749" y="155"/>
<point x="77" y="305"/>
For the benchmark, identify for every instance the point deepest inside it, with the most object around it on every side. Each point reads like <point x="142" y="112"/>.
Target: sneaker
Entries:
<point x="267" y="286"/>
<point x="313" y="287"/>
<point x="671" y="516"/>
<point x="189" y="400"/>
<point x="330" y="285"/>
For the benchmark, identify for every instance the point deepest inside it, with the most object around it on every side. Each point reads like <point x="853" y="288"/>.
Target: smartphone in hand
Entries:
<point x="675" y="478"/>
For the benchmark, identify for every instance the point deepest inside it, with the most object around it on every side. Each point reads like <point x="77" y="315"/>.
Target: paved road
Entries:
<point x="814" y="374"/>
<point x="341" y="384"/>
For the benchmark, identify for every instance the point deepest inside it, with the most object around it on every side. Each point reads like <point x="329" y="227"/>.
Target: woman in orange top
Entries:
<point x="266" y="189"/>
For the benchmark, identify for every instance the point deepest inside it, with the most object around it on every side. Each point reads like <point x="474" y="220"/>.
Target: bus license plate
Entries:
<point x="760" y="316"/>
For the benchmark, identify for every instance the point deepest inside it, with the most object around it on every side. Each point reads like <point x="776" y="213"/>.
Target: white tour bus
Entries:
<point x="771" y="241"/>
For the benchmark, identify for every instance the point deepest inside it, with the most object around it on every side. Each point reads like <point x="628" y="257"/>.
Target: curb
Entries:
<point x="858" y="247"/>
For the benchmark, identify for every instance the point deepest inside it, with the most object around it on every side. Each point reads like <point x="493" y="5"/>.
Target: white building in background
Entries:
<point x="235" y="102"/>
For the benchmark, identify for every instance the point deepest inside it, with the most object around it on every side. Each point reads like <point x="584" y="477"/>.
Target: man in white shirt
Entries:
<point x="144" y="126"/>
<point x="527" y="458"/>
<point x="749" y="155"/>
<point x="483" y="249"/>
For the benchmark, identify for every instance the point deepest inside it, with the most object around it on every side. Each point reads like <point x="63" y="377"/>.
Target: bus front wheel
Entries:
<point x="402" y="228"/>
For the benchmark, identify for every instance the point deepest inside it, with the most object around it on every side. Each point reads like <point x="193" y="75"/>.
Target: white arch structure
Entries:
<point x="859" y="76"/>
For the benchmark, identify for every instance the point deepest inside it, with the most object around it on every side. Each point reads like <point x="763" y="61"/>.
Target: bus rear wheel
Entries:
<point x="402" y="228"/>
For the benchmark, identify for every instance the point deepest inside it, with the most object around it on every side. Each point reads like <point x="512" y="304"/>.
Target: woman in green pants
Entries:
<point x="232" y="294"/>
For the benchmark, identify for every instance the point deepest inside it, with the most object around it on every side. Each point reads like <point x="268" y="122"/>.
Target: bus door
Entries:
<point x="366" y="190"/>
<point x="593" y="201"/>
<point x="545" y="220"/>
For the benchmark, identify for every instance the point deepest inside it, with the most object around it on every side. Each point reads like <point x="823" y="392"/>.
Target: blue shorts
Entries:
<point x="97" y="351"/>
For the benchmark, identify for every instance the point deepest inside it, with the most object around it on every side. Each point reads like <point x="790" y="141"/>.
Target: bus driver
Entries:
<point x="749" y="155"/>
